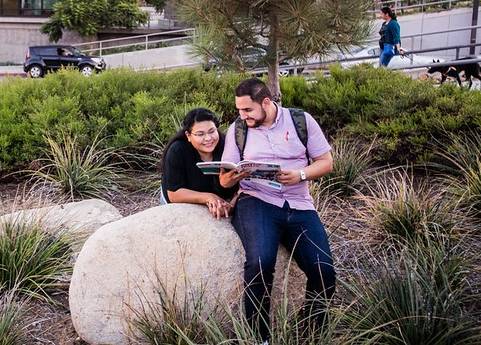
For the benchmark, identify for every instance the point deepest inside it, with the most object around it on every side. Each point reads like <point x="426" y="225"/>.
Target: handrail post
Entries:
<point x="457" y="53"/>
<point x="100" y="48"/>
<point x="146" y="42"/>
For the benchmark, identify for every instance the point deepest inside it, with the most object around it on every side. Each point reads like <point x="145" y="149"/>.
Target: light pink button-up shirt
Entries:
<point x="279" y="144"/>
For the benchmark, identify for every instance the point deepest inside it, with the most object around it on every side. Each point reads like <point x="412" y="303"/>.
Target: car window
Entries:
<point x="76" y="51"/>
<point x="48" y="51"/>
<point x="64" y="51"/>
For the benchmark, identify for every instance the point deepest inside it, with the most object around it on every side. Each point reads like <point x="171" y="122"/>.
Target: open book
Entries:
<point x="260" y="172"/>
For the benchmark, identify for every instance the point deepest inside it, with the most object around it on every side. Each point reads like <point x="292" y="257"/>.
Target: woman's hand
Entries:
<point x="218" y="207"/>
<point x="230" y="178"/>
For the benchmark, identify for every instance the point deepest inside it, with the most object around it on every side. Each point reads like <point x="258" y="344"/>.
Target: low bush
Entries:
<point x="134" y="108"/>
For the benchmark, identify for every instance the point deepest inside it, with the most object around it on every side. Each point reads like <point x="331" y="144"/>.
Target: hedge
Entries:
<point x="134" y="109"/>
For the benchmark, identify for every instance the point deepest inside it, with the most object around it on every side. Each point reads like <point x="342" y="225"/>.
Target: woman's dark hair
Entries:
<point x="193" y="116"/>
<point x="387" y="10"/>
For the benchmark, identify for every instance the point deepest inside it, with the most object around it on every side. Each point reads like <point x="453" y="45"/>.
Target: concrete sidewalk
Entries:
<point x="12" y="71"/>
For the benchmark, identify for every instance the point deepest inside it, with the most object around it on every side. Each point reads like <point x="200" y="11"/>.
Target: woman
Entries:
<point x="198" y="140"/>
<point x="390" y="41"/>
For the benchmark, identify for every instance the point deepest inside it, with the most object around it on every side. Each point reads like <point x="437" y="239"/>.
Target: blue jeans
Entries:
<point x="387" y="54"/>
<point x="262" y="227"/>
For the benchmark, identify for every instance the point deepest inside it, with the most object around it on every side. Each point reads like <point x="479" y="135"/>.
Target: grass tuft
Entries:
<point x="33" y="261"/>
<point x="352" y="161"/>
<point x="12" y="329"/>
<point x="399" y="206"/>
<point x="79" y="174"/>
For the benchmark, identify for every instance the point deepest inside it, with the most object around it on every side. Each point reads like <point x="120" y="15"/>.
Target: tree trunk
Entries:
<point x="273" y="59"/>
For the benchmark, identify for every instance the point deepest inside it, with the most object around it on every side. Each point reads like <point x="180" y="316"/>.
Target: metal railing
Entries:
<point x="145" y="42"/>
<point x="421" y="35"/>
<point x="398" y="6"/>
<point x="139" y="42"/>
<point x="324" y="64"/>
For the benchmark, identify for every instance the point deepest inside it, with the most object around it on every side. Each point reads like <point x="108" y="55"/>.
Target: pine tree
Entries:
<point x="294" y="29"/>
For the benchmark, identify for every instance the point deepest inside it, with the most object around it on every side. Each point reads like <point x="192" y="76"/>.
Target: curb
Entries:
<point x="13" y="74"/>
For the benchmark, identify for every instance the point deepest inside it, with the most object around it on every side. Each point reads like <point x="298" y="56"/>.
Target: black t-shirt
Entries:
<point x="180" y="171"/>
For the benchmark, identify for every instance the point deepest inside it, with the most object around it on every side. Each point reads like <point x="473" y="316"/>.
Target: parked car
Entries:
<point x="253" y="58"/>
<point x="397" y="61"/>
<point x="42" y="59"/>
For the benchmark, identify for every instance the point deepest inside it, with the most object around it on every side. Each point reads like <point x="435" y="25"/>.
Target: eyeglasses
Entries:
<point x="202" y="135"/>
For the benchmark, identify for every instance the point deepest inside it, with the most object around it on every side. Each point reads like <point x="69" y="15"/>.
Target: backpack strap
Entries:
<point x="240" y="131"/>
<point x="300" y="124"/>
<point x="298" y="118"/>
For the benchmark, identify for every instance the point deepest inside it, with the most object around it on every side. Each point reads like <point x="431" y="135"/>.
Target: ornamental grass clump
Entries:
<point x="461" y="164"/>
<point x="189" y="320"/>
<point x="12" y="328"/>
<point x="417" y="295"/>
<point x="398" y="206"/>
<point x="352" y="161"/>
<point x="34" y="261"/>
<point x="78" y="174"/>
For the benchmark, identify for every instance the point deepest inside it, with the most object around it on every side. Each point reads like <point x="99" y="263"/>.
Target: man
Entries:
<point x="264" y="216"/>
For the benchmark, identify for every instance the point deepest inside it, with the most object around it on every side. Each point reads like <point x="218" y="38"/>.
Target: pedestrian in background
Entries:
<point x="390" y="41"/>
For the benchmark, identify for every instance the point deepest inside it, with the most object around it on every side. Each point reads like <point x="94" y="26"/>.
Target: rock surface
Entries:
<point x="80" y="219"/>
<point x="179" y="245"/>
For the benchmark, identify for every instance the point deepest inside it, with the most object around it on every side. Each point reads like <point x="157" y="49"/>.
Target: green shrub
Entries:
<point x="133" y="108"/>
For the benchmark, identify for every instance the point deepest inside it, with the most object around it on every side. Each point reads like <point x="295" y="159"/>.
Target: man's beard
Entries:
<point x="257" y="123"/>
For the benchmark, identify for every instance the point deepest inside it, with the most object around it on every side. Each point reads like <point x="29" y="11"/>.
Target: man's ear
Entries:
<point x="187" y="134"/>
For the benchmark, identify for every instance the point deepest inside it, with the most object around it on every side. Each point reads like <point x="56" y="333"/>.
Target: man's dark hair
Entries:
<point x="255" y="88"/>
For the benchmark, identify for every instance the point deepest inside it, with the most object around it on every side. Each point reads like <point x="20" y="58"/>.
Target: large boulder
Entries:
<point x="80" y="219"/>
<point x="179" y="246"/>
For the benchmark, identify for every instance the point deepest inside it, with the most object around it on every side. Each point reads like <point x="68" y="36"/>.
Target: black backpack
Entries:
<point x="298" y="118"/>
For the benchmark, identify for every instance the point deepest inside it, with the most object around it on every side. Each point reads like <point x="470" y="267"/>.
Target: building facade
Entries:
<point x="26" y="8"/>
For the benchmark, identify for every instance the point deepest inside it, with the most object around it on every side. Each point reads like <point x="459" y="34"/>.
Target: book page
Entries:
<point x="213" y="168"/>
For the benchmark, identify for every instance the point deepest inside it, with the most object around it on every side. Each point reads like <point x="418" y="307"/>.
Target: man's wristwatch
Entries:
<point x="302" y="173"/>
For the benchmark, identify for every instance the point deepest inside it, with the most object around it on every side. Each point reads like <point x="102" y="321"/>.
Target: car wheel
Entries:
<point x="36" y="71"/>
<point x="86" y="70"/>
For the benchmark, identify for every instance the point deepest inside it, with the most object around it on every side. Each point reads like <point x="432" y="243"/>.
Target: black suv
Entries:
<point x="40" y="59"/>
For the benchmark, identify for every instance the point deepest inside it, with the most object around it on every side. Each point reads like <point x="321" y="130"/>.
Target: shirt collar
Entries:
<point x="278" y="115"/>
